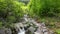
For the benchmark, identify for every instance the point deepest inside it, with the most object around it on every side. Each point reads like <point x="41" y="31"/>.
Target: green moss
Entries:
<point x="58" y="31"/>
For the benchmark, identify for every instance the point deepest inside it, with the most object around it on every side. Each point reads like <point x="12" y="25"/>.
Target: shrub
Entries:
<point x="42" y="8"/>
<point x="10" y="10"/>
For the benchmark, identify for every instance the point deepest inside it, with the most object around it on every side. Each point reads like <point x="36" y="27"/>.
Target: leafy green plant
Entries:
<point x="10" y="10"/>
<point x="58" y="31"/>
<point x="43" y="8"/>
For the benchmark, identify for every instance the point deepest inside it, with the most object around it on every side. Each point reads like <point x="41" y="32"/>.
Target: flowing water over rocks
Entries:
<point x="30" y="26"/>
<point x="27" y="26"/>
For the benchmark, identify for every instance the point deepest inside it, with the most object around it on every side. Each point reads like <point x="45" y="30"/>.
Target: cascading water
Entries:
<point x="40" y="30"/>
<point x="20" y="28"/>
<point x="21" y="31"/>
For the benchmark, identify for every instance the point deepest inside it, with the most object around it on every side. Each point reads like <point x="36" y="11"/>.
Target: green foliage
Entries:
<point x="58" y="31"/>
<point x="11" y="19"/>
<point x="10" y="11"/>
<point x="41" y="8"/>
<point x="0" y="24"/>
<point x="34" y="6"/>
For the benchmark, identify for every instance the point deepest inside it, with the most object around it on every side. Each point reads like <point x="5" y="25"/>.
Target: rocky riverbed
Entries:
<point x="30" y="26"/>
<point x="27" y="26"/>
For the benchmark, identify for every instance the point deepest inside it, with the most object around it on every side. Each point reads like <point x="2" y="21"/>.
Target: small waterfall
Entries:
<point x="21" y="31"/>
<point x="39" y="27"/>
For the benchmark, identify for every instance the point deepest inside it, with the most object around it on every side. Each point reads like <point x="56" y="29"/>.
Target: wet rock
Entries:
<point x="8" y="31"/>
<point x="39" y="31"/>
<point x="2" y="31"/>
<point x="32" y="29"/>
<point x="5" y="31"/>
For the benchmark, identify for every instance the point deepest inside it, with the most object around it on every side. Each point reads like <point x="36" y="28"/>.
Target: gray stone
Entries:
<point x="5" y="31"/>
<point x="2" y="31"/>
<point x="8" y="31"/>
<point x="32" y="29"/>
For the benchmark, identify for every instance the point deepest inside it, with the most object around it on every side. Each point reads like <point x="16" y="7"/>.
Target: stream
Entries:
<point x="30" y="26"/>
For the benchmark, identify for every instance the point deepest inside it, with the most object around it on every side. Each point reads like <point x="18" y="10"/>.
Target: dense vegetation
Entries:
<point x="48" y="11"/>
<point x="10" y="11"/>
<point x="47" y="8"/>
